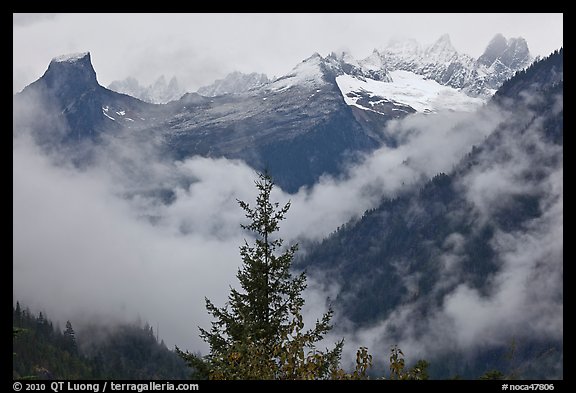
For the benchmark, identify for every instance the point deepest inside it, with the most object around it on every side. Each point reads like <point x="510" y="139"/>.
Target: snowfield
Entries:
<point x="70" y="57"/>
<point x="408" y="88"/>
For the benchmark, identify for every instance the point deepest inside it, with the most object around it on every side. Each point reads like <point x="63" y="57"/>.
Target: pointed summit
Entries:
<point x="441" y="51"/>
<point x="74" y="106"/>
<point x="516" y="56"/>
<point x="444" y="40"/>
<point x="512" y="53"/>
<point x="402" y="46"/>
<point x="495" y="48"/>
<point x="309" y="72"/>
<point x="75" y="67"/>
<point x="69" y="75"/>
<point x="442" y="44"/>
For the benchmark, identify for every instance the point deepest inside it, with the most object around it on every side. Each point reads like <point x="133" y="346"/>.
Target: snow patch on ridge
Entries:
<point x="70" y="58"/>
<point x="408" y="88"/>
<point x="307" y="73"/>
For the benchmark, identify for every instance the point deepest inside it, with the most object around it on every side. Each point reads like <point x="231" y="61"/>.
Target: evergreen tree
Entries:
<point x="259" y="333"/>
<point x="70" y="338"/>
<point x="17" y="315"/>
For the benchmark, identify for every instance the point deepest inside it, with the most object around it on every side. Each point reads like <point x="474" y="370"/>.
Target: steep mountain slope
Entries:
<point x="482" y="243"/>
<point x="67" y="105"/>
<point x="298" y="126"/>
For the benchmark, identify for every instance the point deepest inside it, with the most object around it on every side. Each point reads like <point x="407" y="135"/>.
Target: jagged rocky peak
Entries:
<point x="441" y="50"/>
<point x="344" y="57"/>
<point x="512" y="53"/>
<point x="402" y="46"/>
<point x="160" y="82"/>
<point x="443" y="43"/>
<point x="234" y="83"/>
<point x="129" y="84"/>
<point x="173" y="84"/>
<point x="71" y="70"/>
<point x="495" y="48"/>
<point x="310" y="67"/>
<point x="373" y="61"/>
<point x="345" y="63"/>
<point x="309" y="72"/>
<point x="159" y="92"/>
<point x="342" y="62"/>
<point x="517" y="55"/>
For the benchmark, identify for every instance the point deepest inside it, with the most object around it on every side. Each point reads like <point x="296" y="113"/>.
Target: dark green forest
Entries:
<point x="131" y="351"/>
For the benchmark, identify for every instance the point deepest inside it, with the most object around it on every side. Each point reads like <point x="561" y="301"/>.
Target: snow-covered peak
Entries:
<point x="512" y="53"/>
<point x="345" y="63"/>
<point x="441" y="51"/>
<point x="402" y="47"/>
<point x="373" y="62"/>
<point x="344" y="57"/>
<point x="441" y="62"/>
<point x="309" y="72"/>
<point x="310" y="66"/>
<point x="160" y="82"/>
<point x="71" y="57"/>
<point x="234" y="83"/>
<point x="159" y="92"/>
<point x="443" y="41"/>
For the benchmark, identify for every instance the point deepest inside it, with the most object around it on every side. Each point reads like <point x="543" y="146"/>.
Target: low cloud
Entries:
<point x="81" y="252"/>
<point x="101" y="242"/>
<point x="96" y="241"/>
<point x="524" y="299"/>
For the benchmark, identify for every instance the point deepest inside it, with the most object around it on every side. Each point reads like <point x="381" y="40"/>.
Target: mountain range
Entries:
<point x="483" y="237"/>
<point x="299" y="126"/>
<point x="159" y="92"/>
<point x="439" y="61"/>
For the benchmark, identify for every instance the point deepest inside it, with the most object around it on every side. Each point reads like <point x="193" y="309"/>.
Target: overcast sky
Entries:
<point x="199" y="48"/>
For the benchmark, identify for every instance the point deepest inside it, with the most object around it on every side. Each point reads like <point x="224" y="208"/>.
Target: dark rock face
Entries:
<point x="70" y="77"/>
<point x="495" y="48"/>
<point x="67" y="105"/>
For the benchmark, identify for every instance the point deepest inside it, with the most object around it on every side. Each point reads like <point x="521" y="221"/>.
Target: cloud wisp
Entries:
<point x="99" y="241"/>
<point x="524" y="299"/>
